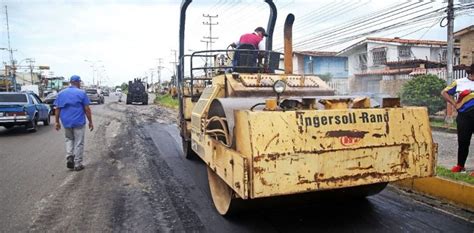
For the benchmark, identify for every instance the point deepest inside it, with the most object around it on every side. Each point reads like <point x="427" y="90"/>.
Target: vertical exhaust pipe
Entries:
<point x="288" y="43"/>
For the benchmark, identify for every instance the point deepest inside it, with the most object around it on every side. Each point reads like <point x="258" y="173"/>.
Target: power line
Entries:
<point x="419" y="18"/>
<point x="376" y="20"/>
<point x="358" y="20"/>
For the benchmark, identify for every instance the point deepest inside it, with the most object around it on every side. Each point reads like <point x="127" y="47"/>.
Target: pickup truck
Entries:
<point x="23" y="108"/>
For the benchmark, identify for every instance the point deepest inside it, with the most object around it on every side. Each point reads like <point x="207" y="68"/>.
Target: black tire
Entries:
<point x="187" y="150"/>
<point x="33" y="125"/>
<point x="47" y="121"/>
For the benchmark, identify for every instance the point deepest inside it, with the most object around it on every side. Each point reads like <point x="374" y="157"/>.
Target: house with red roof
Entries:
<point x="383" y="65"/>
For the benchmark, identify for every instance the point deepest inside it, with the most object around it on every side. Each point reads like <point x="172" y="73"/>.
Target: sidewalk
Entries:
<point x="458" y="193"/>
<point x="447" y="149"/>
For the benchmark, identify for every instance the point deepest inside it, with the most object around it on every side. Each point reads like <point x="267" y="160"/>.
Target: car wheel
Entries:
<point x="47" y="121"/>
<point x="33" y="125"/>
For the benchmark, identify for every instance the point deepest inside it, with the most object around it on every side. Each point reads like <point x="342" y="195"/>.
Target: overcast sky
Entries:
<point x="128" y="37"/>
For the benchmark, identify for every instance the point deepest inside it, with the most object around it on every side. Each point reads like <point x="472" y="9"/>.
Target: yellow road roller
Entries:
<point x="263" y="131"/>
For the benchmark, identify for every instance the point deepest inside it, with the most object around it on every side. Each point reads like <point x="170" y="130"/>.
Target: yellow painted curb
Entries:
<point x="456" y="192"/>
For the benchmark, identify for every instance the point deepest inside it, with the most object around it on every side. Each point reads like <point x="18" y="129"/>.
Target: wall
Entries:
<point x="298" y="64"/>
<point x="467" y="48"/>
<point x="370" y="84"/>
<point x="392" y="86"/>
<point x="336" y="66"/>
<point x="353" y="60"/>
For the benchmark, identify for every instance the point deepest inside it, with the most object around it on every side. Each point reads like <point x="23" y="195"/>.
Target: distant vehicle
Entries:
<point x="24" y="108"/>
<point x="95" y="95"/>
<point x="50" y="98"/>
<point x="137" y="92"/>
<point x="118" y="91"/>
<point x="105" y="92"/>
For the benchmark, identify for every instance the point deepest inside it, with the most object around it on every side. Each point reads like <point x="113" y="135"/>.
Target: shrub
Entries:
<point x="424" y="90"/>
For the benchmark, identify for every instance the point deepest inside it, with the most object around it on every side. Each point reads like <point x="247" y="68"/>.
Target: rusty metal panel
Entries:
<point x="311" y="150"/>
<point x="231" y="167"/>
<point x="188" y="108"/>
<point x="198" y="113"/>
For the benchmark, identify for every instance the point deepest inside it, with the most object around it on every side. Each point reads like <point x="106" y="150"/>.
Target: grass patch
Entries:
<point x="446" y="173"/>
<point x="167" y="101"/>
<point x="441" y="123"/>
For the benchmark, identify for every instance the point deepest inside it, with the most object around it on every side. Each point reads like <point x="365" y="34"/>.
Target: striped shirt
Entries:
<point x="463" y="89"/>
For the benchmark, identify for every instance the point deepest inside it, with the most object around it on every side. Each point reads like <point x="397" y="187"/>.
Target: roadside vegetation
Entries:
<point x="440" y="123"/>
<point x="166" y="100"/>
<point x="446" y="173"/>
<point x="424" y="90"/>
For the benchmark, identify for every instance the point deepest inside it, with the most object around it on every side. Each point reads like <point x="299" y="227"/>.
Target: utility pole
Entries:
<point x="209" y="39"/>
<point x="210" y="23"/>
<point x="449" y="59"/>
<point x="207" y="54"/>
<point x="13" y="67"/>
<point x="151" y="83"/>
<point x="31" y="61"/>
<point x="175" y="65"/>
<point x="160" y="60"/>
<point x="175" y="62"/>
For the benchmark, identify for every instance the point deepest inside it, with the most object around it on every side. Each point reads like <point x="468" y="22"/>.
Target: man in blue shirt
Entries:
<point x="72" y="107"/>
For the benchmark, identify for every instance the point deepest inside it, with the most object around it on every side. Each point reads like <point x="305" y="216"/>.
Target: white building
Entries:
<point x="368" y="59"/>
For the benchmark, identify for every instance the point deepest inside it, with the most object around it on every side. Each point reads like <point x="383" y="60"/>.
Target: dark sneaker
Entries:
<point x="70" y="162"/>
<point x="79" y="167"/>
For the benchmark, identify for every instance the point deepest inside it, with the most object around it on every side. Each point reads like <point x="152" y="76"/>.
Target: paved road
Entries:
<point x="136" y="179"/>
<point x="447" y="150"/>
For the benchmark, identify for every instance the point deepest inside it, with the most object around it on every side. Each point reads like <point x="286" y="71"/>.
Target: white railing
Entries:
<point x="341" y="86"/>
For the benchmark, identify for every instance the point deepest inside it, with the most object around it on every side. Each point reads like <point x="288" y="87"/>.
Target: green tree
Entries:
<point x="124" y="86"/>
<point x="424" y="90"/>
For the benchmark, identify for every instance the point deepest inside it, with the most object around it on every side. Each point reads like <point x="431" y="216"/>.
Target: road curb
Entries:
<point x="458" y="193"/>
<point x="444" y="129"/>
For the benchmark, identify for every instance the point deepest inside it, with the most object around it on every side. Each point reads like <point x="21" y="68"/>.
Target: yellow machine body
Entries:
<point x="333" y="145"/>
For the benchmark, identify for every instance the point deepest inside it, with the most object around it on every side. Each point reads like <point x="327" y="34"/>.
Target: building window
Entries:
<point x="310" y="66"/>
<point x="379" y="56"/>
<point x="363" y="61"/>
<point x="444" y="55"/>
<point x="404" y="51"/>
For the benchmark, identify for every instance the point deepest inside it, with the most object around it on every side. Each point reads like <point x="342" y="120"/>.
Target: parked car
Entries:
<point x="50" y="98"/>
<point x="23" y="108"/>
<point x="95" y="95"/>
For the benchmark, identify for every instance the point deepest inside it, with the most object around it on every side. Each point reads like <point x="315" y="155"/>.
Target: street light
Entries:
<point x="93" y="68"/>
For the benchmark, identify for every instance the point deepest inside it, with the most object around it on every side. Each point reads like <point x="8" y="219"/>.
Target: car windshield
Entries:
<point x="13" y="98"/>
<point x="91" y="91"/>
